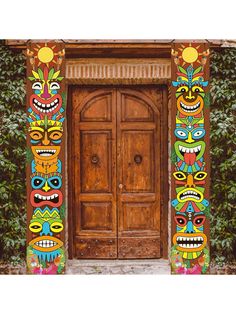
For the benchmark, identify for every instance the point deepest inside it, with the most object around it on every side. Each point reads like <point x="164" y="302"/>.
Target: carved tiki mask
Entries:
<point x="46" y="226"/>
<point x="190" y="93"/>
<point x="45" y="136"/>
<point x="46" y="99"/>
<point x="46" y="190"/>
<point x="190" y="191"/>
<point x="189" y="238"/>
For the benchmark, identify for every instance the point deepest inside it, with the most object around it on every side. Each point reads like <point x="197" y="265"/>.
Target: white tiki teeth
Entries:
<point x="187" y="150"/>
<point x="191" y="150"/>
<point x="44" y="198"/>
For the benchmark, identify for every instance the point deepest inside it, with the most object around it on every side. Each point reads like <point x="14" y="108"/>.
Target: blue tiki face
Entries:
<point x="46" y="189"/>
<point x="190" y="133"/>
<point x="46" y="182"/>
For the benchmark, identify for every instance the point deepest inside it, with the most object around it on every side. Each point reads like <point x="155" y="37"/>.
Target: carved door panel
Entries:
<point x="116" y="166"/>
<point x="138" y="170"/>
<point x="95" y="173"/>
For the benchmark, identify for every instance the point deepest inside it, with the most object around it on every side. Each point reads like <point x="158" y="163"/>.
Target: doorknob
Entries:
<point x="120" y="186"/>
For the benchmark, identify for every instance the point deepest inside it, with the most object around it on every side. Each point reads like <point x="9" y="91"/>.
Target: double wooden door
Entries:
<point x="116" y="185"/>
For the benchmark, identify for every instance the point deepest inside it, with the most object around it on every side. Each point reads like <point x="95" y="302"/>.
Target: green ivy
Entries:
<point x="12" y="155"/>
<point x="223" y="155"/>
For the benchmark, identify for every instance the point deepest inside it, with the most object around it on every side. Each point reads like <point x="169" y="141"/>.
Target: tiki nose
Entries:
<point x="189" y="227"/>
<point x="190" y="139"/>
<point x="45" y="94"/>
<point x="46" y="141"/>
<point x="46" y="187"/>
<point x="46" y="229"/>
<point x="190" y="96"/>
<point x="190" y="183"/>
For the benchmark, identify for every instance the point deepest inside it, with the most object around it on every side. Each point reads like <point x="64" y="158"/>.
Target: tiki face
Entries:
<point x="190" y="186"/>
<point x="46" y="153"/>
<point x="45" y="135"/>
<point x="46" y="225"/>
<point x="46" y="190"/>
<point x="190" y="92"/>
<point x="190" y="100"/>
<point x="190" y="236"/>
<point x="190" y="133"/>
<point x="189" y="152"/>
<point x="45" y="99"/>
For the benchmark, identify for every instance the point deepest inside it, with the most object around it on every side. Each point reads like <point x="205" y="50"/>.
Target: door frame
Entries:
<point x="121" y="66"/>
<point x="164" y="234"/>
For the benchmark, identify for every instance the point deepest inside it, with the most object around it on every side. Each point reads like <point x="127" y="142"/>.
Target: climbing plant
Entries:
<point x="12" y="155"/>
<point x="223" y="155"/>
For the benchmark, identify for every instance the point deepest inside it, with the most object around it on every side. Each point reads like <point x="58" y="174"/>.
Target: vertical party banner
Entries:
<point x="45" y="158"/>
<point x="190" y="158"/>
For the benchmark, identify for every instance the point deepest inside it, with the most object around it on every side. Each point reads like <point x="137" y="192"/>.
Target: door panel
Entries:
<point x="116" y="184"/>
<point x="95" y="173"/>
<point x="95" y="160"/>
<point x="139" y="177"/>
<point x="137" y="160"/>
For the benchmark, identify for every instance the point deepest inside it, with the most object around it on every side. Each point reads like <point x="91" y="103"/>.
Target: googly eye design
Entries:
<point x="181" y="133"/>
<point x="35" y="227"/>
<point x="182" y="89"/>
<point x="197" y="89"/>
<point x="201" y="175"/>
<point x="55" y="182"/>
<point x="56" y="227"/>
<point x="179" y="175"/>
<point x="180" y="220"/>
<point x="198" y="133"/>
<point x="199" y="221"/>
<point x="37" y="182"/>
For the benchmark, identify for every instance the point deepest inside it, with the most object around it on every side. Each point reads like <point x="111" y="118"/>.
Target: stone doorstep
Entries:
<point x="120" y="267"/>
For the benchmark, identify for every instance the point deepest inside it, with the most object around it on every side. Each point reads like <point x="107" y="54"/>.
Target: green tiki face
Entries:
<point x="189" y="152"/>
<point x="46" y="222"/>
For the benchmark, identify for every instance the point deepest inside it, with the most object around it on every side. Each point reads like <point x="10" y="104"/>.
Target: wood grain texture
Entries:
<point x="116" y="149"/>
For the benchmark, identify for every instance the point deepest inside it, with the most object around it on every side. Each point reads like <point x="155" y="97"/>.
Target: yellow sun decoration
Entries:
<point x="45" y="54"/>
<point x="190" y="54"/>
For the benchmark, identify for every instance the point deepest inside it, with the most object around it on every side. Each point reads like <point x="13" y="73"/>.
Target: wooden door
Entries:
<point x="116" y="164"/>
<point x="138" y="174"/>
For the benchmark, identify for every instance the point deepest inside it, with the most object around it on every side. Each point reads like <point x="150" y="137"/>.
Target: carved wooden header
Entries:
<point x="117" y="71"/>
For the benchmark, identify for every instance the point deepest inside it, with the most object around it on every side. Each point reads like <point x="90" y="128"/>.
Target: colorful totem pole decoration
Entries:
<point x="45" y="158"/>
<point x="190" y="158"/>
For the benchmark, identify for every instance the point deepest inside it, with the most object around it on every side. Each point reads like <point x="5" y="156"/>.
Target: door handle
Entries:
<point x="120" y="186"/>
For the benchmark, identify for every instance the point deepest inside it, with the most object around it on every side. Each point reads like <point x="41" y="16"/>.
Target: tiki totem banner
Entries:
<point x="190" y="158"/>
<point x="45" y="158"/>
